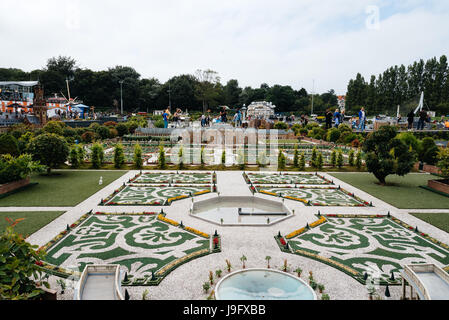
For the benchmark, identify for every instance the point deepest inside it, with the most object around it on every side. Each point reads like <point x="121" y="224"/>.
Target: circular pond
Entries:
<point x="263" y="284"/>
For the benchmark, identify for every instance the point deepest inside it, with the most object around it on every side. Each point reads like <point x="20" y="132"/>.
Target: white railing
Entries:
<point x="100" y="269"/>
<point x="412" y="270"/>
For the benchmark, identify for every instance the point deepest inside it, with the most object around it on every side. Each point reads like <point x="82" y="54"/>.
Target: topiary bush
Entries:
<point x="9" y="145"/>
<point x="50" y="150"/>
<point x="119" y="156"/>
<point x="97" y="156"/>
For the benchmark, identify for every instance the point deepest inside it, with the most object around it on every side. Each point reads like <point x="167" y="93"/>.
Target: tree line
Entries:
<point x="401" y="85"/>
<point x="199" y="91"/>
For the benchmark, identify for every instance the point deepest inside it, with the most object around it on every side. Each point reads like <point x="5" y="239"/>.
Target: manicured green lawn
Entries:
<point x="65" y="189"/>
<point x="401" y="192"/>
<point x="32" y="223"/>
<point x="439" y="220"/>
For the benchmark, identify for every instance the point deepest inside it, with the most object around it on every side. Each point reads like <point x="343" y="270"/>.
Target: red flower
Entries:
<point x="215" y="240"/>
<point x="39" y="263"/>
<point x="73" y="226"/>
<point x="283" y="241"/>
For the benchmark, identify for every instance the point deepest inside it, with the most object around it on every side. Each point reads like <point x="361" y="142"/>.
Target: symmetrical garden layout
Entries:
<point x="329" y="196"/>
<point x="372" y="245"/>
<point x="263" y="178"/>
<point x="147" y="244"/>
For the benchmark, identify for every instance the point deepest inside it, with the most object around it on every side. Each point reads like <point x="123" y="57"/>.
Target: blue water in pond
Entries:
<point x="263" y="285"/>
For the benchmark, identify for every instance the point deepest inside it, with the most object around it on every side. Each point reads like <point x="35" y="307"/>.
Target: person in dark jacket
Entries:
<point x="410" y="119"/>
<point x="423" y="117"/>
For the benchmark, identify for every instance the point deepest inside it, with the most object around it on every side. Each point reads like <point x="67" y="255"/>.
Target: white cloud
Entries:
<point x="285" y="42"/>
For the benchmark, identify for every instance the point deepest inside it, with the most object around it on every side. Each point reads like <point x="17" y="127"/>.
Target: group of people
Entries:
<point x="176" y="117"/>
<point x="338" y="117"/>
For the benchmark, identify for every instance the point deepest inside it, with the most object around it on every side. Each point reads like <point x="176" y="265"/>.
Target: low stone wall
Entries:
<point x="8" y="187"/>
<point x="428" y="168"/>
<point x="439" y="185"/>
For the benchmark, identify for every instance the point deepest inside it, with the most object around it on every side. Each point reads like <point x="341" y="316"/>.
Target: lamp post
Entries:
<point x="121" y="96"/>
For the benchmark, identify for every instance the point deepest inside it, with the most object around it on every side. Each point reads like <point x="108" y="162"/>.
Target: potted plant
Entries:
<point x="268" y="258"/>
<point x="211" y="277"/>
<point x="313" y="284"/>
<point x="218" y="273"/>
<point x="325" y="297"/>
<point x="145" y="294"/>
<point x="206" y="287"/>
<point x="228" y="265"/>
<point x="285" y="266"/>
<point x="298" y="271"/>
<point x="321" y="287"/>
<point x="243" y="259"/>
<point x="62" y="284"/>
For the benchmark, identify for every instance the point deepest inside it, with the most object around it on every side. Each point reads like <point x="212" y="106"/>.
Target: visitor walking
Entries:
<point x="337" y="118"/>
<point x="362" y="119"/>
<point x="165" y="116"/>
<point x="238" y="119"/>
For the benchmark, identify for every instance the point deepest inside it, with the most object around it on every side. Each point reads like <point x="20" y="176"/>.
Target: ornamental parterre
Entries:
<point x="143" y="243"/>
<point x="315" y="196"/>
<point x="374" y="244"/>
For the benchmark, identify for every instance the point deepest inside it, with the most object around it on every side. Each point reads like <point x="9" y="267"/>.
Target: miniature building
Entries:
<point x="260" y="110"/>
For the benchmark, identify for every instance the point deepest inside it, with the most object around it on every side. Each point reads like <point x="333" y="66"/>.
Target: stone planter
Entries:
<point x="441" y="185"/>
<point x="11" y="186"/>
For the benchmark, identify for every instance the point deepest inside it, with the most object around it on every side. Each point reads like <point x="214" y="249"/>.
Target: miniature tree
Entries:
<point x="387" y="292"/>
<point x="211" y="277"/>
<point x="319" y="161"/>
<point x="223" y="158"/>
<point x="243" y="259"/>
<point x="119" y="156"/>
<point x="351" y="158"/>
<point x="314" y="157"/>
<point x="202" y="161"/>
<point x="228" y="265"/>
<point x="340" y="159"/>
<point x="302" y="162"/>
<point x="334" y="158"/>
<point x="325" y="297"/>
<point x="386" y="154"/>
<point x="443" y="162"/>
<point x="162" y="164"/>
<point x="218" y="273"/>
<point x="50" y="150"/>
<point x="97" y="156"/>
<point x="281" y="160"/>
<point x="358" y="160"/>
<point x="321" y="288"/>
<point x="298" y="271"/>
<point x="206" y="287"/>
<point x="138" y="162"/>
<point x="74" y="158"/>
<point x="268" y="258"/>
<point x="296" y="157"/>
<point x="181" y="158"/>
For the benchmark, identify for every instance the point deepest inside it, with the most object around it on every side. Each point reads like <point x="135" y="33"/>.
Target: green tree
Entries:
<point x="296" y="157"/>
<point x="9" y="145"/>
<point x="74" y="157"/>
<point x="428" y="151"/>
<point x="443" y="161"/>
<point x="280" y="125"/>
<point x="162" y="164"/>
<point x="97" y="156"/>
<point x="340" y="159"/>
<point x="302" y="162"/>
<point x="281" y="160"/>
<point x="55" y="127"/>
<point x="49" y="149"/>
<point x="119" y="156"/>
<point x="319" y="161"/>
<point x="314" y="157"/>
<point x="14" y="169"/>
<point x="138" y="161"/>
<point x="18" y="267"/>
<point x="122" y="129"/>
<point x="358" y="160"/>
<point x="351" y="158"/>
<point x="181" y="158"/>
<point x="334" y="158"/>
<point x="386" y="154"/>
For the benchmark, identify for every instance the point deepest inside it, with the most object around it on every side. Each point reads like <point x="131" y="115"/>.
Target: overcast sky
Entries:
<point x="288" y="42"/>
